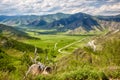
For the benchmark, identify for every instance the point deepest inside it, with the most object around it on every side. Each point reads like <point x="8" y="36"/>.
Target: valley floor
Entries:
<point x="68" y="56"/>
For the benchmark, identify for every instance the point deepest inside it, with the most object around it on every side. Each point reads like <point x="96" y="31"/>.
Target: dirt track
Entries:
<point x="60" y="50"/>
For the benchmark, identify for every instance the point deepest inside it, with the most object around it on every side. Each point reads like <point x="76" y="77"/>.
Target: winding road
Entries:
<point x="60" y="50"/>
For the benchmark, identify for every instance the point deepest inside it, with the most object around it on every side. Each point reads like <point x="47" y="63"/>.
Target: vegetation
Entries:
<point x="13" y="33"/>
<point x="77" y="64"/>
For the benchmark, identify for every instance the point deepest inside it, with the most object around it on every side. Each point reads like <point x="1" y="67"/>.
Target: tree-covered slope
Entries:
<point x="11" y="32"/>
<point x="8" y="43"/>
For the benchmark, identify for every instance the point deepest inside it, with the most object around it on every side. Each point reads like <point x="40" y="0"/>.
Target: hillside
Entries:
<point x="11" y="32"/>
<point x="7" y="43"/>
<point x="14" y="56"/>
<point x="87" y="64"/>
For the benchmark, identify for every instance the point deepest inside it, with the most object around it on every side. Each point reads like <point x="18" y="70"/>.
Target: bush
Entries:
<point x="5" y="60"/>
<point x="81" y="75"/>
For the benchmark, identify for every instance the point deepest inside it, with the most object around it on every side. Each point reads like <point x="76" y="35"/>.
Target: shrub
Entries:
<point x="5" y="60"/>
<point x="82" y="74"/>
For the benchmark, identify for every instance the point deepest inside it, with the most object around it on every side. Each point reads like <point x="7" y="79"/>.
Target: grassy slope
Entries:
<point x="14" y="57"/>
<point x="14" y="33"/>
<point x="85" y="64"/>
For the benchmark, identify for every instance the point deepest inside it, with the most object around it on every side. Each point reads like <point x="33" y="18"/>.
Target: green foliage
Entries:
<point x="25" y="59"/>
<point x="10" y="43"/>
<point x="5" y="60"/>
<point x="85" y="73"/>
<point x="103" y="76"/>
<point x="81" y="74"/>
<point x="49" y="77"/>
<point x="14" y="33"/>
<point x="111" y="47"/>
<point x="82" y="64"/>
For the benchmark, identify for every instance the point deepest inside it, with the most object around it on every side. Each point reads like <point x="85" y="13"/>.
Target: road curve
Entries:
<point x="60" y="50"/>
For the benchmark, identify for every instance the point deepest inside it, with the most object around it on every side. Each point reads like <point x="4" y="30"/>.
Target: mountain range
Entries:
<point x="30" y="19"/>
<point x="64" y="22"/>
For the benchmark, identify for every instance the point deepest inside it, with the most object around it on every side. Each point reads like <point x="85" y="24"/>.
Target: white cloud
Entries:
<point x="39" y="7"/>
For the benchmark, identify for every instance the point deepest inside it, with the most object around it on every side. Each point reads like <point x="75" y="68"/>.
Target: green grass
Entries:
<point x="81" y="64"/>
<point x="22" y="61"/>
<point x="49" y="41"/>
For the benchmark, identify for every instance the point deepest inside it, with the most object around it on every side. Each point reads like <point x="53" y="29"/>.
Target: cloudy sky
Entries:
<point x="41" y="7"/>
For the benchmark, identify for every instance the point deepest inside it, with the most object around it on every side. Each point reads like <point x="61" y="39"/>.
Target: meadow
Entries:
<point x="50" y="43"/>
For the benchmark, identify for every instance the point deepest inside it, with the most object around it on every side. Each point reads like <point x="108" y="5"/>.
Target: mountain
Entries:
<point x="17" y="20"/>
<point x="38" y="23"/>
<point x="86" y="22"/>
<point x="11" y="32"/>
<point x="109" y="18"/>
<point x="74" y="23"/>
<point x="30" y="19"/>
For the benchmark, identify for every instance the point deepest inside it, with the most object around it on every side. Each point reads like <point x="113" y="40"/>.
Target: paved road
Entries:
<point x="60" y="50"/>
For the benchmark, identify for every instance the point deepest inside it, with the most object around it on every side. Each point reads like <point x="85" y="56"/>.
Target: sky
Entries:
<point x="43" y="7"/>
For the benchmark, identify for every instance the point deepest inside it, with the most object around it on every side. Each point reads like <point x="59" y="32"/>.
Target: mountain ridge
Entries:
<point x="28" y="19"/>
<point x="65" y="22"/>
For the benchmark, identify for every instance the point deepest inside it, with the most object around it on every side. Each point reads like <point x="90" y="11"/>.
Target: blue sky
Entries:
<point x="41" y="7"/>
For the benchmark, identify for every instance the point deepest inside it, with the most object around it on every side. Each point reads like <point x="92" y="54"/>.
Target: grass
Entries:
<point x="81" y="64"/>
<point x="49" y="41"/>
<point x="45" y="43"/>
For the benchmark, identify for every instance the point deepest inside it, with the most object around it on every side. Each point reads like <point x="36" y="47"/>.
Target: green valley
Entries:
<point x="60" y="47"/>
